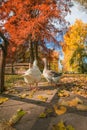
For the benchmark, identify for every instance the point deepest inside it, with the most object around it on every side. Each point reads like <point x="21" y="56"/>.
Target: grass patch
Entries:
<point x="10" y="80"/>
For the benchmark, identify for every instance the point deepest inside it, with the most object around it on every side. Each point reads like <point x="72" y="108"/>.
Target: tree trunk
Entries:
<point x="31" y="51"/>
<point x="3" y="55"/>
<point x="36" y="50"/>
<point x="2" y="71"/>
<point x="49" y="54"/>
<point x="12" y="68"/>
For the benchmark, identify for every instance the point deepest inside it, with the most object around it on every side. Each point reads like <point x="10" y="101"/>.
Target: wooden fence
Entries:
<point x="18" y="68"/>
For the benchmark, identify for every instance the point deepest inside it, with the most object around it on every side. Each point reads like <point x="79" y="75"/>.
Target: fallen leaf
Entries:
<point x="31" y="94"/>
<point x="81" y="107"/>
<point x="63" y="93"/>
<point x="42" y="98"/>
<point x="69" y="127"/>
<point x="3" y="99"/>
<point x="16" y="117"/>
<point x="59" y="110"/>
<point x="43" y="115"/>
<point x="23" y="95"/>
<point x="49" y="93"/>
<point x="61" y="126"/>
<point x="5" y="126"/>
<point x="60" y="94"/>
<point x="49" y="110"/>
<point x="75" y="102"/>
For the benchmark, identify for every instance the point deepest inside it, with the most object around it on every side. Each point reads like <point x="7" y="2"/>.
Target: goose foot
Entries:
<point x="36" y="88"/>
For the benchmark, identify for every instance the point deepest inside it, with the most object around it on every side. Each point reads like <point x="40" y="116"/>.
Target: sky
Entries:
<point x="77" y="12"/>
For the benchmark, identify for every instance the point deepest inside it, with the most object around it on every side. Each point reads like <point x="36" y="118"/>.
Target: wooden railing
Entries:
<point x="17" y="68"/>
<point x="20" y="68"/>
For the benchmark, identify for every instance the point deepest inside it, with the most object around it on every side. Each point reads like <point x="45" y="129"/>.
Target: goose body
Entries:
<point x="36" y="73"/>
<point x="33" y="74"/>
<point x="27" y="76"/>
<point x="50" y="75"/>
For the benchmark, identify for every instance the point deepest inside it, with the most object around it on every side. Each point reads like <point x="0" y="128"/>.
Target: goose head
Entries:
<point x="45" y="64"/>
<point x="35" y="63"/>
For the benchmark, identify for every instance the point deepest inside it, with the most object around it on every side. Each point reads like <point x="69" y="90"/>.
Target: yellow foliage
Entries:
<point x="74" y="38"/>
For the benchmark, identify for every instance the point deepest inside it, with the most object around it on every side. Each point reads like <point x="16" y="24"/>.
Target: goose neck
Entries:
<point x="45" y="65"/>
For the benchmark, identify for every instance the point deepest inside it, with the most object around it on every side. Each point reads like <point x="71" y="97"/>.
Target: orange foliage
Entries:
<point x="13" y="49"/>
<point x="25" y="18"/>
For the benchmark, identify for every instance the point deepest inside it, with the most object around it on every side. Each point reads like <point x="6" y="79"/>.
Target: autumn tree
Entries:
<point x="53" y="59"/>
<point x="75" y="48"/>
<point x="78" y="59"/>
<point x="31" y="20"/>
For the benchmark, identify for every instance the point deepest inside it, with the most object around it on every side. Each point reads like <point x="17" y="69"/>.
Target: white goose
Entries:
<point x="33" y="74"/>
<point x="50" y="75"/>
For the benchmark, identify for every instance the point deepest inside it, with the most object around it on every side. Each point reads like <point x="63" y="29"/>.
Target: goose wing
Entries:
<point x="53" y="73"/>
